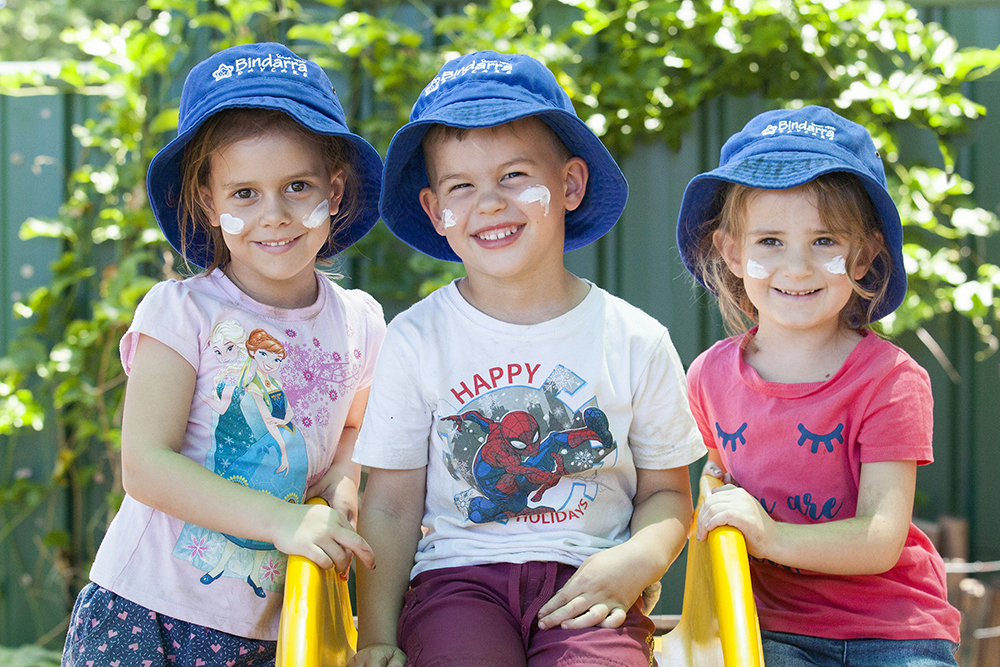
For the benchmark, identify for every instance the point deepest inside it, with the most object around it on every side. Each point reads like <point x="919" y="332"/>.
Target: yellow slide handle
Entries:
<point x="739" y="629"/>
<point x="317" y="624"/>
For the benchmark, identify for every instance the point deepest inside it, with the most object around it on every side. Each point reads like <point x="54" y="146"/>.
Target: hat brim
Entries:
<point x="163" y="180"/>
<point x="405" y="173"/>
<point x="781" y="171"/>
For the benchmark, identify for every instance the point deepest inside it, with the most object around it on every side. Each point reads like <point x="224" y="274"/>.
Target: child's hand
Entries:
<point x="732" y="506"/>
<point x="378" y="655"/>
<point x="600" y="592"/>
<point x="324" y="536"/>
<point x="712" y="468"/>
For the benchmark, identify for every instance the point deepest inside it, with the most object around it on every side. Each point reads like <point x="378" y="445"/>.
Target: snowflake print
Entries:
<point x="357" y="353"/>
<point x="315" y="342"/>
<point x="333" y="394"/>
<point x="561" y="378"/>
<point x="336" y="356"/>
<point x="198" y="547"/>
<point x="290" y="333"/>
<point x="308" y="376"/>
<point x="307" y="422"/>
<point x="271" y="570"/>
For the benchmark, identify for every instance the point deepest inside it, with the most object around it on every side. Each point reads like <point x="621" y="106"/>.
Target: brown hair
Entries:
<point x="230" y="126"/>
<point x="844" y="208"/>
<point x="260" y="339"/>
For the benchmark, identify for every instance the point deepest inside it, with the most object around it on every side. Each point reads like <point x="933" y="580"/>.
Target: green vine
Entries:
<point x="638" y="71"/>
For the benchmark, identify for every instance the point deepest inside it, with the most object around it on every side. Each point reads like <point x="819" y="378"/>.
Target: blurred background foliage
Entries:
<point x="638" y="71"/>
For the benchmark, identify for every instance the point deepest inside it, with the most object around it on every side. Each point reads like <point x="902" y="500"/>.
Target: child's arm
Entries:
<point x="607" y="583"/>
<point x="339" y="485"/>
<point x="391" y="514"/>
<point x="158" y="397"/>
<point x="868" y="543"/>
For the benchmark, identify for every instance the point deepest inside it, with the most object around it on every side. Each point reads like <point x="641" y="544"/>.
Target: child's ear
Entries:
<point x="432" y="207"/>
<point x="337" y="182"/>
<point x="730" y="251"/>
<point x="867" y="255"/>
<point x="206" y="198"/>
<point x="576" y="175"/>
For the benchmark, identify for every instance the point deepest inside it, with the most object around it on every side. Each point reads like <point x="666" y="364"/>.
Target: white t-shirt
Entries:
<point x="531" y="434"/>
<point x="308" y="364"/>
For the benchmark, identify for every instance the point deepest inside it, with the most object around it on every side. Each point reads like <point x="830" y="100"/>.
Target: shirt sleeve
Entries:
<point x="396" y="429"/>
<point x="375" y="328"/>
<point x="899" y="422"/>
<point x="663" y="434"/>
<point x="169" y="314"/>
<point x="696" y="400"/>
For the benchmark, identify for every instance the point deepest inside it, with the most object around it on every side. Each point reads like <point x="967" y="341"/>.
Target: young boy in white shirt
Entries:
<point x="527" y="434"/>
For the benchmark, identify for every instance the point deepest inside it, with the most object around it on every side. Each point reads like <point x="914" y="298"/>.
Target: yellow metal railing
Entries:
<point x="317" y="625"/>
<point x="718" y="624"/>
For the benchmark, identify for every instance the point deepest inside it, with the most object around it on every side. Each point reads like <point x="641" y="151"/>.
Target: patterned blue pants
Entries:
<point x="106" y="630"/>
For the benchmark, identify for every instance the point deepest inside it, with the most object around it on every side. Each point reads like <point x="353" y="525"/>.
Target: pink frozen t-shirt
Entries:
<point x="798" y="449"/>
<point x="273" y="390"/>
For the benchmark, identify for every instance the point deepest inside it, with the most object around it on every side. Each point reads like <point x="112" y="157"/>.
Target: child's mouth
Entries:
<point x="497" y="234"/>
<point x="796" y="292"/>
<point x="276" y="244"/>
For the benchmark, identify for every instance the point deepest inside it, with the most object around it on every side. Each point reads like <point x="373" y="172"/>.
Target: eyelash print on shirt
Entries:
<point x="731" y="438"/>
<point x="816" y="438"/>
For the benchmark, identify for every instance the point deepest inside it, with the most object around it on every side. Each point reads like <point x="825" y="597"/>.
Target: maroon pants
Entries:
<point x="487" y="616"/>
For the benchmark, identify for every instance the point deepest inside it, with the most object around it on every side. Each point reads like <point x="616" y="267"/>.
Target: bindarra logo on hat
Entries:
<point x="224" y="72"/>
<point x="475" y="67"/>
<point x="272" y="63"/>
<point x="800" y="127"/>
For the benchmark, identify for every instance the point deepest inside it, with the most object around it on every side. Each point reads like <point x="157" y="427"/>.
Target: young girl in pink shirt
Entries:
<point x="247" y="382"/>
<point x="818" y="422"/>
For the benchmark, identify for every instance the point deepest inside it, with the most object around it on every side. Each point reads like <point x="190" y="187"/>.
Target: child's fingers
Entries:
<point x="354" y="543"/>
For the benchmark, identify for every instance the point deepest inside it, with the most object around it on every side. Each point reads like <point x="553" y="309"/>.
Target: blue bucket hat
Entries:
<point x="786" y="148"/>
<point x="486" y="89"/>
<point x="264" y="76"/>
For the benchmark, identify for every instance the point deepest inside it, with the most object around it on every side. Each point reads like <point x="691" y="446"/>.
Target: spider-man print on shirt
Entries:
<point x="516" y="444"/>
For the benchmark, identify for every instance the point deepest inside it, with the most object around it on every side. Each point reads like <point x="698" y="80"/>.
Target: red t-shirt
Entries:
<point x="798" y="449"/>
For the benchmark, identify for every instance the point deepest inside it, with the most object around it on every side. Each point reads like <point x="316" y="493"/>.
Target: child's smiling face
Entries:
<point x="792" y="265"/>
<point x="500" y="194"/>
<point x="273" y="196"/>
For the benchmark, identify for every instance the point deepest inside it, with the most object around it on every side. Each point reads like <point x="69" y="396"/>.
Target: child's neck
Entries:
<point x="791" y="357"/>
<point x="531" y="300"/>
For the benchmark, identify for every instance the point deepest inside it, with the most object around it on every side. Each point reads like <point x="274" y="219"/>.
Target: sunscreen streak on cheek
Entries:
<point x="231" y="224"/>
<point x="757" y="270"/>
<point x="538" y="193"/>
<point x="319" y="215"/>
<point x="836" y="265"/>
<point x="449" y="218"/>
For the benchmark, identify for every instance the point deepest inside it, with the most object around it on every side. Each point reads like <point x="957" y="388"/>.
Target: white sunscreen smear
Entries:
<point x="757" y="270"/>
<point x="538" y="193"/>
<point x="449" y="218"/>
<point x="319" y="215"/>
<point x="231" y="224"/>
<point x="836" y="265"/>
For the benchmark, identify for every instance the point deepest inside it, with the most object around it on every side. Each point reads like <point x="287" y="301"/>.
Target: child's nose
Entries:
<point x="276" y="212"/>
<point x="797" y="263"/>
<point x="490" y="201"/>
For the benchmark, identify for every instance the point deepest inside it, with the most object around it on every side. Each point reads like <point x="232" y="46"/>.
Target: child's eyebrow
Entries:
<point x="458" y="176"/>
<point x="299" y="176"/>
